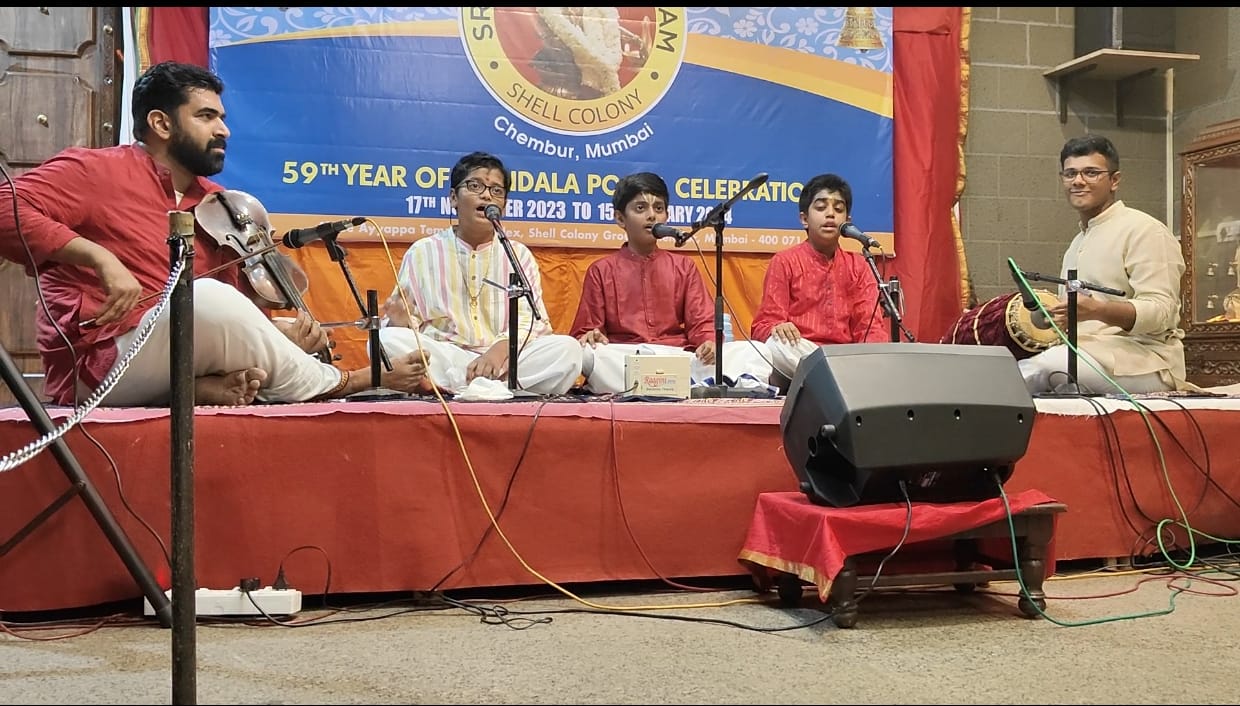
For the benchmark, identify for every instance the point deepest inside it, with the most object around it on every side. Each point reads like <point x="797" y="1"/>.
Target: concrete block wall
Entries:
<point x="1013" y="204"/>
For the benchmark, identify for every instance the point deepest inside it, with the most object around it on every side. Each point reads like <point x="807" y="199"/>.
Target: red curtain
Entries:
<point x="930" y="117"/>
<point x="172" y="34"/>
<point x="930" y="72"/>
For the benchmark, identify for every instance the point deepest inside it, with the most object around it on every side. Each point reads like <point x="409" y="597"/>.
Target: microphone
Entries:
<point x="1027" y="298"/>
<point x="663" y="230"/>
<point x="493" y="213"/>
<point x="848" y="230"/>
<point x="300" y="237"/>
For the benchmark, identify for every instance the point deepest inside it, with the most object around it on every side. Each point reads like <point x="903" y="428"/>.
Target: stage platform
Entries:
<point x="389" y="496"/>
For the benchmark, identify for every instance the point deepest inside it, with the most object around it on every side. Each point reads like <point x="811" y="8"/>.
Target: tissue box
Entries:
<point x="657" y="375"/>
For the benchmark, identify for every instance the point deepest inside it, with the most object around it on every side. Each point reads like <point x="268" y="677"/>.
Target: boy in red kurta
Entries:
<point x="643" y="299"/>
<point x="815" y="293"/>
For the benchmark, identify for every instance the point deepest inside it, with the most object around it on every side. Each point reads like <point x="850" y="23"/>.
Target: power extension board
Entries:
<point x="233" y="601"/>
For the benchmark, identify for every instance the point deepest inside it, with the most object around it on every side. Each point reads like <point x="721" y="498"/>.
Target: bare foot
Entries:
<point x="230" y="389"/>
<point x="408" y="374"/>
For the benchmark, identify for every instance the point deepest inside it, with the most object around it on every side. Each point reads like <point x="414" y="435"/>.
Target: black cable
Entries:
<point x="273" y="621"/>
<point x="908" y="525"/>
<point x="661" y="616"/>
<point x="1206" y="472"/>
<point x="280" y="582"/>
<point x="1117" y="465"/>
<point x="758" y="347"/>
<point x="614" y="454"/>
<point x="120" y="492"/>
<point x="497" y="615"/>
<point x="512" y="477"/>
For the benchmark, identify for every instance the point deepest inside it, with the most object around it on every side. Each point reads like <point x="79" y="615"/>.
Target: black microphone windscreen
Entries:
<point x="663" y="230"/>
<point x="493" y="213"/>
<point x="848" y="230"/>
<point x="298" y="238"/>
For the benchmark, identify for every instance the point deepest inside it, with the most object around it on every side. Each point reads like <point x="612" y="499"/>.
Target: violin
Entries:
<point x="238" y="221"/>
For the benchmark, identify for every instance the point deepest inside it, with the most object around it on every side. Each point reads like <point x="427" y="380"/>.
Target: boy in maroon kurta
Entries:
<point x="815" y="293"/>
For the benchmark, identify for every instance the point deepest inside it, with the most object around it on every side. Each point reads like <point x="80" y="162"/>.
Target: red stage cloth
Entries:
<point x="599" y="491"/>
<point x="788" y="533"/>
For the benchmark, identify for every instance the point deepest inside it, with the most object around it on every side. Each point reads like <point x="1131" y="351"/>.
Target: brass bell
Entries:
<point x="1231" y="269"/>
<point x="1210" y="302"/>
<point x="859" y="30"/>
<point x="1210" y="269"/>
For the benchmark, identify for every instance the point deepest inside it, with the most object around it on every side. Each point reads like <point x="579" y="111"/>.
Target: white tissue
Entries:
<point x="483" y="389"/>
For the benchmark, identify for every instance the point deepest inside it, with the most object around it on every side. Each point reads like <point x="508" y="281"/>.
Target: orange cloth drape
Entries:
<point x="930" y="68"/>
<point x="563" y="270"/>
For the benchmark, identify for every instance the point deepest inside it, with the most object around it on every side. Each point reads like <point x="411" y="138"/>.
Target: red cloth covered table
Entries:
<point x="791" y="535"/>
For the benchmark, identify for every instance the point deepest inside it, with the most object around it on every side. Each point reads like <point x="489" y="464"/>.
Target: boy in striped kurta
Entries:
<point x="443" y="304"/>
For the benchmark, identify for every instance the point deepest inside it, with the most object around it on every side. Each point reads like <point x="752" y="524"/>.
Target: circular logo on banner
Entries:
<point x="575" y="70"/>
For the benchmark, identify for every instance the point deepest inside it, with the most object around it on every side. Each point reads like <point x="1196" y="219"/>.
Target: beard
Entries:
<point x="199" y="161"/>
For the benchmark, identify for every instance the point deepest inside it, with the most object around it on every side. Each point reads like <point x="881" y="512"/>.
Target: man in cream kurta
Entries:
<point x="1130" y="343"/>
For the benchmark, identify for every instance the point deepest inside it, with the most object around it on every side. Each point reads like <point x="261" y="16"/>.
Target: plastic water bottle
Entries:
<point x="727" y="328"/>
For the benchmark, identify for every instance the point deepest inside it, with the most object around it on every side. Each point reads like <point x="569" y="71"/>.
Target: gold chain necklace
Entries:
<point x="474" y="296"/>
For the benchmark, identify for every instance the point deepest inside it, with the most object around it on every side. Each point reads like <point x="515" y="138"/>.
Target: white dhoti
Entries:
<point x="603" y="365"/>
<point x="1048" y="372"/>
<point x="787" y="357"/>
<point x="230" y="334"/>
<point x="740" y="358"/>
<point x="547" y="365"/>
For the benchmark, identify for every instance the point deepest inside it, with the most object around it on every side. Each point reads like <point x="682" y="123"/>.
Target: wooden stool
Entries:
<point x="1034" y="527"/>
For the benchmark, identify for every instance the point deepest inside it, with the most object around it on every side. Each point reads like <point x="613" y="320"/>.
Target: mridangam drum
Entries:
<point x="1004" y="321"/>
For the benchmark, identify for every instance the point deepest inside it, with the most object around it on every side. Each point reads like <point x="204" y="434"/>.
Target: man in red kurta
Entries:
<point x="93" y="225"/>
<point x="815" y="293"/>
<point x="641" y="299"/>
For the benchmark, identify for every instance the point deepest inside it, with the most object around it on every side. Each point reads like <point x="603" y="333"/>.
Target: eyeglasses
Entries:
<point x="476" y="187"/>
<point x="1090" y="175"/>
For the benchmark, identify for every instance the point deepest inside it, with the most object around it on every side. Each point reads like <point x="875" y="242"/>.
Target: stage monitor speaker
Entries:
<point x="950" y="421"/>
<point x="1131" y="28"/>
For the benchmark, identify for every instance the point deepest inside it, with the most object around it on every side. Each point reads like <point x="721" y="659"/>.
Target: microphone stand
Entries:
<point x="1072" y="321"/>
<point x="893" y="288"/>
<point x="518" y="287"/>
<point x="715" y="219"/>
<point x="370" y="309"/>
<point x="1073" y="286"/>
<point x="884" y="296"/>
<point x="369" y="321"/>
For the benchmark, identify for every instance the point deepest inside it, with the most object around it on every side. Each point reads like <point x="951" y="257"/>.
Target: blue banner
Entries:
<point x="339" y="112"/>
